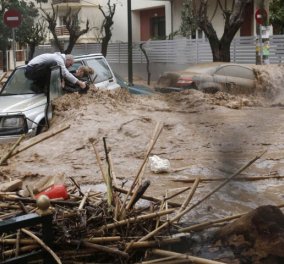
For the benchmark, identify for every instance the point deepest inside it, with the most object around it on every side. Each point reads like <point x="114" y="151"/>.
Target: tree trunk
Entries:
<point x="233" y="21"/>
<point x="220" y="50"/>
<point x="107" y="24"/>
<point x="71" y="43"/>
<point x="31" y="51"/>
<point x="106" y="40"/>
<point x="224" y="51"/>
<point x="4" y="54"/>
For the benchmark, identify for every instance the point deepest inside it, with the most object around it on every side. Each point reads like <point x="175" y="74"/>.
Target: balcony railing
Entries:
<point x="60" y="31"/>
<point x="65" y="1"/>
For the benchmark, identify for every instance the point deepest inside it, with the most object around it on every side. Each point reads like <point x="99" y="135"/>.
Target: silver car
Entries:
<point x="25" y="111"/>
<point x="211" y="77"/>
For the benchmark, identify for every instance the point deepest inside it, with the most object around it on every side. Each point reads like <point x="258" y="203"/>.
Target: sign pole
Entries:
<point x="130" y="63"/>
<point x="263" y="32"/>
<point x="14" y="47"/>
<point x="13" y="18"/>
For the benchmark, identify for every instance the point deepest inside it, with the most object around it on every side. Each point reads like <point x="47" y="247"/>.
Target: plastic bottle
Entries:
<point x="55" y="191"/>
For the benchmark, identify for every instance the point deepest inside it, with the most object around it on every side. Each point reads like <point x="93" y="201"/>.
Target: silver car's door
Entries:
<point x="54" y="90"/>
<point x="55" y="83"/>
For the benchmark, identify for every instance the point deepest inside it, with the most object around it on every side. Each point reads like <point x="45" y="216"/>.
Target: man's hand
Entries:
<point x="82" y="84"/>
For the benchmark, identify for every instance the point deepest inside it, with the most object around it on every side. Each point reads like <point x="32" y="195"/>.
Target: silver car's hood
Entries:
<point x="20" y="103"/>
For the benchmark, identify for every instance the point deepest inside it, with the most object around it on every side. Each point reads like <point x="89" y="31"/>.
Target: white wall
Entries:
<point x="120" y="28"/>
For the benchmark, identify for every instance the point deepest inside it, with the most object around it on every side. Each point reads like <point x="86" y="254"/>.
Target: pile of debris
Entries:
<point x="76" y="226"/>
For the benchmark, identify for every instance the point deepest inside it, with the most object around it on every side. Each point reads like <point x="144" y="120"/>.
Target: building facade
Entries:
<point x="151" y="19"/>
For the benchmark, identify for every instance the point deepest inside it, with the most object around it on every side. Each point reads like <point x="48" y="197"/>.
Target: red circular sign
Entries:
<point x="260" y="16"/>
<point x="12" y="18"/>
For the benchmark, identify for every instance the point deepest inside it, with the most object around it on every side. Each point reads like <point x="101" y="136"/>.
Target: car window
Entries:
<point x="17" y="84"/>
<point x="236" y="71"/>
<point x="102" y="71"/>
<point x="75" y="66"/>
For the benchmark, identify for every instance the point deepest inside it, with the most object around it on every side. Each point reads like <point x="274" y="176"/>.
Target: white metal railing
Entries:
<point x="182" y="51"/>
<point x="179" y="51"/>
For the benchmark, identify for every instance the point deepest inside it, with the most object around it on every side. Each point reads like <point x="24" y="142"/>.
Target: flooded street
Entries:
<point x="209" y="137"/>
<point x="199" y="138"/>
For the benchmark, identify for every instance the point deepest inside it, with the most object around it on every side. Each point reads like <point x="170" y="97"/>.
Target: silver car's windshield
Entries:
<point x="18" y="84"/>
<point x="101" y="69"/>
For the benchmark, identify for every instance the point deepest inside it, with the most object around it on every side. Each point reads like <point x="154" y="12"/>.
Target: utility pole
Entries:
<point x="130" y="69"/>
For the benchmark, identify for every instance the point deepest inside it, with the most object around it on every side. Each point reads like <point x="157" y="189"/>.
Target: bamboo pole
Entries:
<point x="135" y="219"/>
<point x="193" y="259"/>
<point x="178" y="193"/>
<point x="23" y="249"/>
<point x="99" y="161"/>
<point x="9" y="206"/>
<point x="29" y="200"/>
<point x="9" y="215"/>
<point x="12" y="241"/>
<point x="39" y="241"/>
<point x="141" y="189"/>
<point x="154" y="243"/>
<point x="23" y="207"/>
<point x="30" y="191"/>
<point x="117" y="207"/>
<point x="81" y="206"/>
<point x="178" y="216"/>
<point x="112" y="169"/>
<point x="252" y="178"/>
<point x="154" y="138"/>
<point x="149" y="198"/>
<point x="162" y="206"/>
<point x="5" y="157"/>
<point x="181" y="169"/>
<point x="105" y="249"/>
<point x="158" y="261"/>
<point x="108" y="177"/>
<point x="77" y="186"/>
<point x="104" y="239"/>
<point x="190" y="195"/>
<point x="18" y="242"/>
<point x="48" y="135"/>
<point x="176" y="261"/>
<point x="209" y="223"/>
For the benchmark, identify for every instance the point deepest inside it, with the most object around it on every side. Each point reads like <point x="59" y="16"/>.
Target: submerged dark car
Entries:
<point x="135" y="88"/>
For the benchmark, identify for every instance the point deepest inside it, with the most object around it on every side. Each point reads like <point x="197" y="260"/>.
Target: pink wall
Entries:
<point x="145" y="17"/>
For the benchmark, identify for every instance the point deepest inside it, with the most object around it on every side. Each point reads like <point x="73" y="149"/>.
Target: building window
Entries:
<point x="157" y="26"/>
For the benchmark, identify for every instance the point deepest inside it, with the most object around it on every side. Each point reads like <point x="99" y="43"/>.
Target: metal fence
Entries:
<point x="171" y="55"/>
<point x="181" y="51"/>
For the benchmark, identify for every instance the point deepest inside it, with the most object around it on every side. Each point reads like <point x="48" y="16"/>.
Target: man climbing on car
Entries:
<point x="38" y="69"/>
<point x="82" y="73"/>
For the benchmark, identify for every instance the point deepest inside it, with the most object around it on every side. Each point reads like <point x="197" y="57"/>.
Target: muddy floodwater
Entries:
<point x="204" y="135"/>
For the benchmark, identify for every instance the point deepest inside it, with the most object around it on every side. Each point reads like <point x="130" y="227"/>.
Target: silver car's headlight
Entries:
<point x="13" y="122"/>
<point x="13" y="125"/>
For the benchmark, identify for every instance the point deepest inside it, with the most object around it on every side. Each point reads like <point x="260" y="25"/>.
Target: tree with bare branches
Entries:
<point x="107" y="26"/>
<point x="233" y="13"/>
<point x="36" y="35"/>
<point x="72" y="24"/>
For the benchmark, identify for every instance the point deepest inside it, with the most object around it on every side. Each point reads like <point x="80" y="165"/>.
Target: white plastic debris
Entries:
<point x="158" y="165"/>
